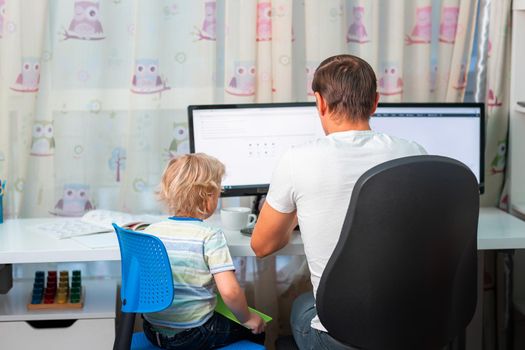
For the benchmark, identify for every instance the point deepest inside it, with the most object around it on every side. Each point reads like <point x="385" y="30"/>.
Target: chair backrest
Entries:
<point x="403" y="274"/>
<point x="147" y="282"/>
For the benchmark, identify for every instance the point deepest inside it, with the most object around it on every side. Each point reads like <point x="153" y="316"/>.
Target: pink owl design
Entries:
<point x="42" y="138"/>
<point x="243" y="81"/>
<point x="461" y="83"/>
<point x="264" y="21"/>
<point x="422" y="31"/>
<point x="504" y="203"/>
<point x="492" y="100"/>
<point x="74" y="202"/>
<point x="85" y="24"/>
<point x="2" y="15"/>
<point x="449" y="24"/>
<point x="310" y="70"/>
<point x="390" y="81"/>
<point x="357" y="31"/>
<point x="29" y="77"/>
<point x="146" y="78"/>
<point x="209" y="25"/>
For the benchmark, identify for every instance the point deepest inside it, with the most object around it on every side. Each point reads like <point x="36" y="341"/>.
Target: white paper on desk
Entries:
<point x="104" y="218"/>
<point x="94" y="221"/>
<point x="101" y="240"/>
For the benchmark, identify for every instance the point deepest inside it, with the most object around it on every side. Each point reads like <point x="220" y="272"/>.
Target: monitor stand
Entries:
<point x="256" y="204"/>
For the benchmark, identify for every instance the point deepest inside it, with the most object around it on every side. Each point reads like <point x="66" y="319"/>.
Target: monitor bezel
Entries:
<point x="262" y="189"/>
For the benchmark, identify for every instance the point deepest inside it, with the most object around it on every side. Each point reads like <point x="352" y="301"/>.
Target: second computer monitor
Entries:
<point x="250" y="138"/>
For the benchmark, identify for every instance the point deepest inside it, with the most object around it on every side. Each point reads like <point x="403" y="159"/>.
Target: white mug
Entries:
<point x="236" y="218"/>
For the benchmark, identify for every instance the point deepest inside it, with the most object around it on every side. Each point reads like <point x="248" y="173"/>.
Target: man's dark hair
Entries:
<point x="348" y="84"/>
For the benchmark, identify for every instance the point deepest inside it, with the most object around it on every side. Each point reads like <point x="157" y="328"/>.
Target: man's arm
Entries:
<point x="272" y="231"/>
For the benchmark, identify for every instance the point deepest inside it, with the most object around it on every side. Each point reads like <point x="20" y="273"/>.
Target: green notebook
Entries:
<point x="222" y="309"/>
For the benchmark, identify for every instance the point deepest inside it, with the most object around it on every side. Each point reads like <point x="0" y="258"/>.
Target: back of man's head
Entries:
<point x="349" y="86"/>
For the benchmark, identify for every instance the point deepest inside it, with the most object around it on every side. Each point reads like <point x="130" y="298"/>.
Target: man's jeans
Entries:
<point x="306" y="337"/>
<point x="217" y="332"/>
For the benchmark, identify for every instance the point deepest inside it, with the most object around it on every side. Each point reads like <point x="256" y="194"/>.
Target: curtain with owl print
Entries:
<point x="93" y="93"/>
<point x="419" y="49"/>
<point x="497" y="99"/>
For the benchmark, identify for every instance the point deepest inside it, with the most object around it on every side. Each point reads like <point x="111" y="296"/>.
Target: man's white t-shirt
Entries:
<point x="317" y="179"/>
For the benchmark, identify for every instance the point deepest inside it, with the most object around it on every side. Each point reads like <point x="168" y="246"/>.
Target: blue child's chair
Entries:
<point x="147" y="286"/>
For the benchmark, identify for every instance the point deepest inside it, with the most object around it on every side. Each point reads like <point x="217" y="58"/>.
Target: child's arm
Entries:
<point x="234" y="298"/>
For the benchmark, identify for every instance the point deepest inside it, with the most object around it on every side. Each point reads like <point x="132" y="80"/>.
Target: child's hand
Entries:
<point x="255" y="323"/>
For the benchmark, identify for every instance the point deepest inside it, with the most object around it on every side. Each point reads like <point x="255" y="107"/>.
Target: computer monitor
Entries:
<point x="250" y="138"/>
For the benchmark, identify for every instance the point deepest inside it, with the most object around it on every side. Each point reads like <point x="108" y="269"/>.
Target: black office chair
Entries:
<point x="404" y="272"/>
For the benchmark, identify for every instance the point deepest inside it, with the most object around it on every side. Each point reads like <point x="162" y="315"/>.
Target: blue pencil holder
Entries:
<point x="1" y="209"/>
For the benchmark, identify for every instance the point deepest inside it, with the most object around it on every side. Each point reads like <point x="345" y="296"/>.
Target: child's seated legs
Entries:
<point x="217" y="332"/>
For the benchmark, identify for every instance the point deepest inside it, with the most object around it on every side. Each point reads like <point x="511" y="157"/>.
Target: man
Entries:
<point x="312" y="183"/>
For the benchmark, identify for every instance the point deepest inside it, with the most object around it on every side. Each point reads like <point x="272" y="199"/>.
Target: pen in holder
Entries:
<point x="2" y="190"/>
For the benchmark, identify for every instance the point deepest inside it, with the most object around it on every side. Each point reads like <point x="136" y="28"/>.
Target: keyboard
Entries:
<point x="70" y="228"/>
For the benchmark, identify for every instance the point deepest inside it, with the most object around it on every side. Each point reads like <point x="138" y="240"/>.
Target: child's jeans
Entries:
<point x="217" y="332"/>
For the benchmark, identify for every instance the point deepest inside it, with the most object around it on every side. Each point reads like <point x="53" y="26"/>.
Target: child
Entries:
<point x="200" y="260"/>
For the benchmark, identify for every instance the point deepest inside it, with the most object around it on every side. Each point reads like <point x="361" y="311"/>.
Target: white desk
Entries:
<point x="20" y="243"/>
<point x="499" y="230"/>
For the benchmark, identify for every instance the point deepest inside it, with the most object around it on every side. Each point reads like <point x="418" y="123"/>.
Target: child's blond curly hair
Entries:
<point x="188" y="183"/>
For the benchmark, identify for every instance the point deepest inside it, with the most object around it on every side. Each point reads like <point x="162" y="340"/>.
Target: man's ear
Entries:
<point x="322" y="107"/>
<point x="375" y="104"/>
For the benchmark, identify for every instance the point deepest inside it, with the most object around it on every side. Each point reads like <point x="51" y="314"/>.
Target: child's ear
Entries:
<point x="211" y="203"/>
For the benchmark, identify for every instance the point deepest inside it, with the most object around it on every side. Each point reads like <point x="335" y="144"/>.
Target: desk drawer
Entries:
<point x="79" y="335"/>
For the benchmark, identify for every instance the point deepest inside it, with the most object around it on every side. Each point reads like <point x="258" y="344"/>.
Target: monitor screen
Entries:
<point x="250" y="138"/>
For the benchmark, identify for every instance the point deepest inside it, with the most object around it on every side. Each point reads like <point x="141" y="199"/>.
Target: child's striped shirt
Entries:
<point x="196" y="252"/>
